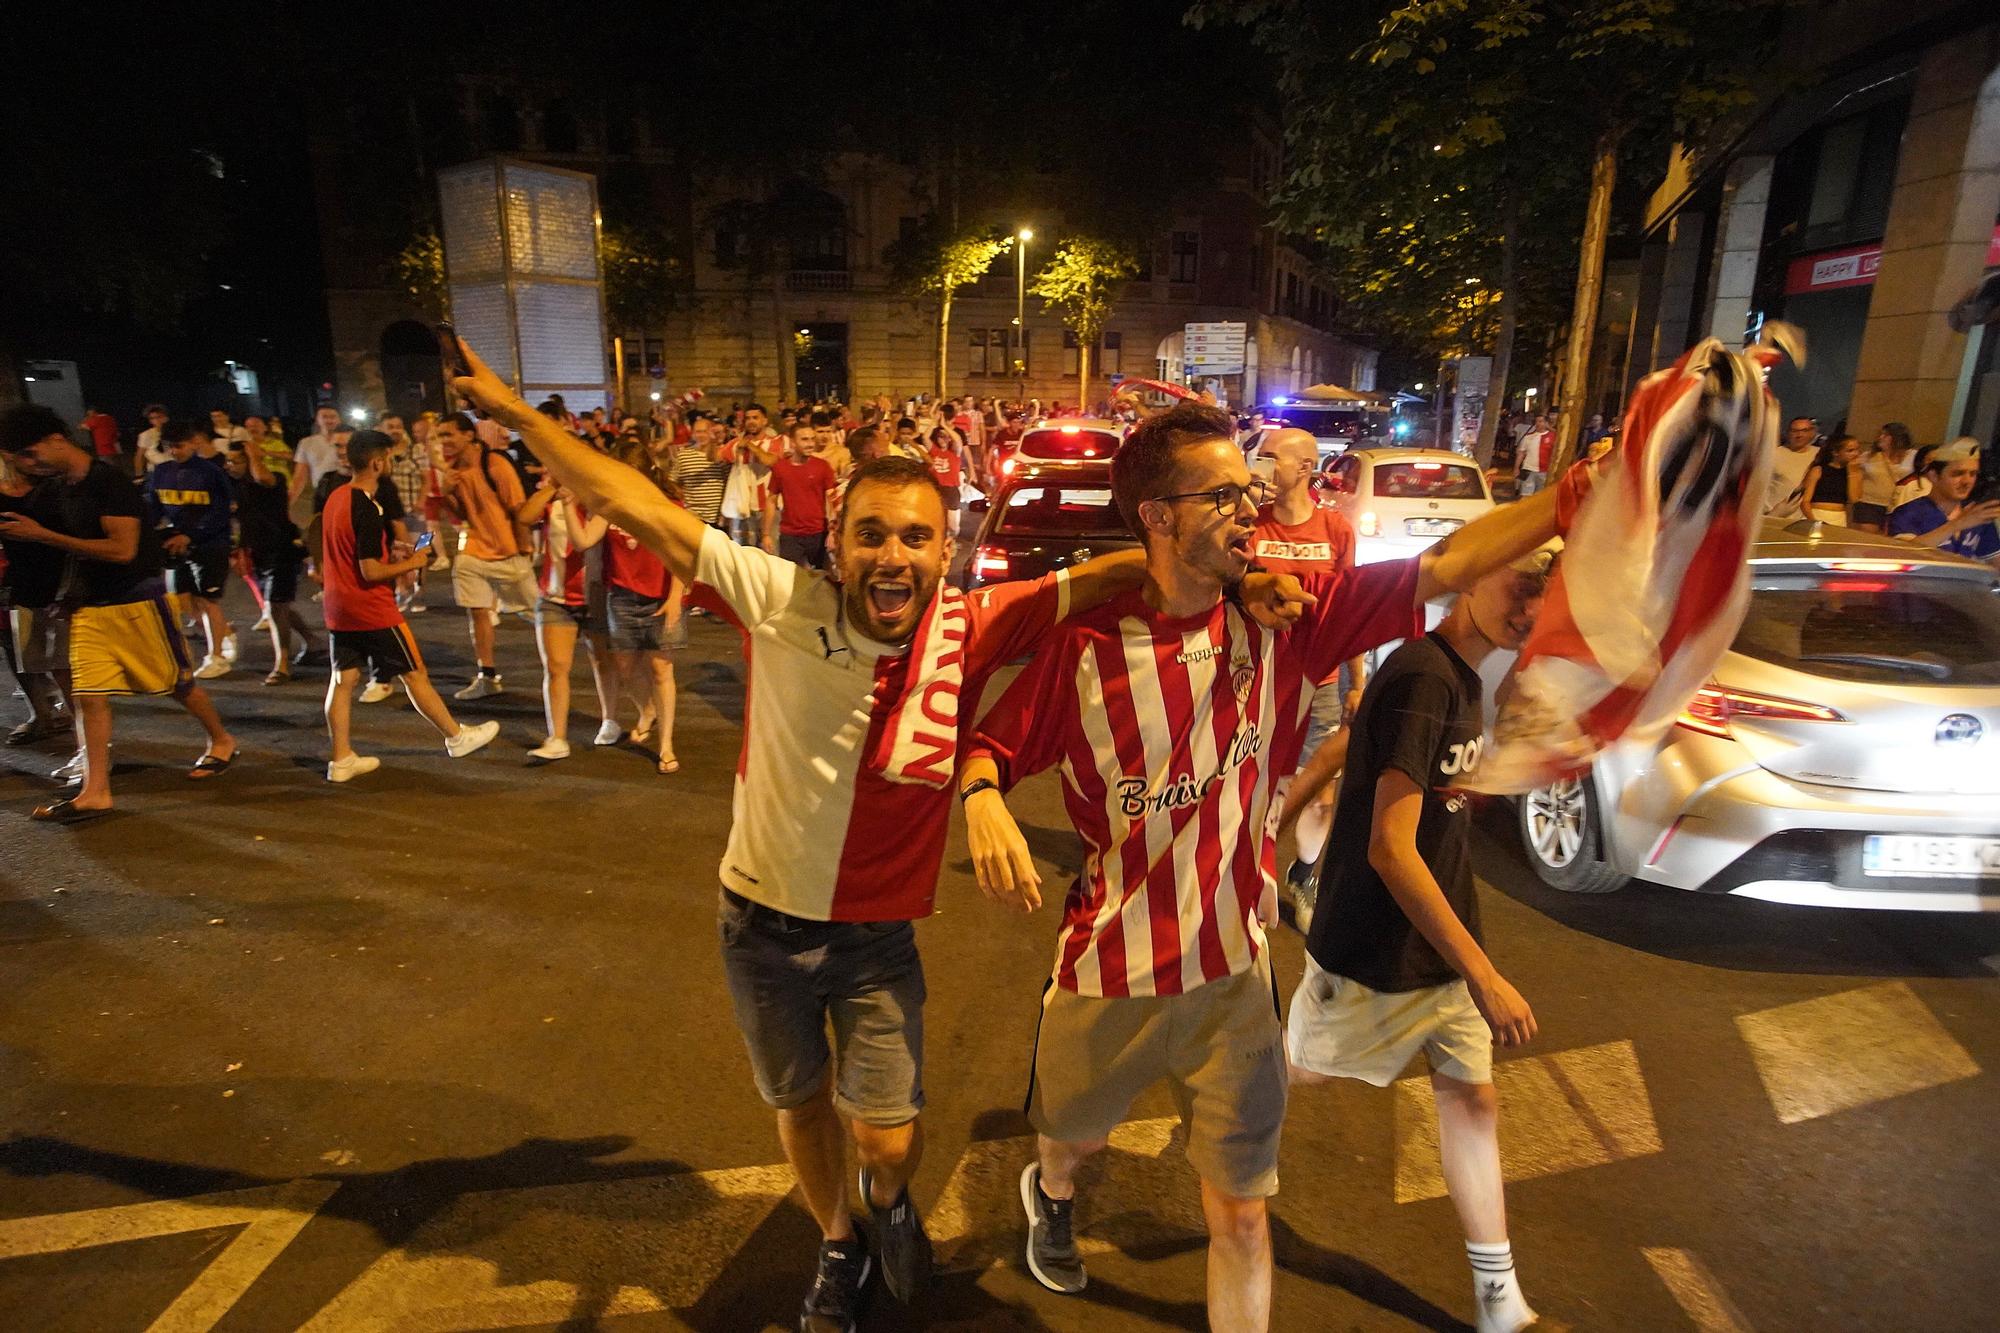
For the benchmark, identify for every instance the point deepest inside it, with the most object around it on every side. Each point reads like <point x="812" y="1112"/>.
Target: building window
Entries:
<point x="1111" y="353"/>
<point x="1184" y="256"/>
<point x="1291" y="309"/>
<point x="990" y="359"/>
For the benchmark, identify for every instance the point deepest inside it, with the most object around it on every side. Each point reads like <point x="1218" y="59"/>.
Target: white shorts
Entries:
<point x="477" y="583"/>
<point x="1338" y="1028"/>
<point x="41" y="639"/>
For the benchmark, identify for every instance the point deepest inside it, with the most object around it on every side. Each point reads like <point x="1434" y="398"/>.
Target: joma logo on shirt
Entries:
<point x="1134" y="802"/>
<point x="1462" y="758"/>
<point x="168" y="497"/>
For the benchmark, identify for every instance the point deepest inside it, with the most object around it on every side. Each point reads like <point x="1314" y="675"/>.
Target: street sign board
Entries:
<point x="1214" y="348"/>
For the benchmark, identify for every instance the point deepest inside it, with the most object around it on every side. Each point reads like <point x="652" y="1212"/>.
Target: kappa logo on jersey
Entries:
<point x="1177" y="793"/>
<point x="1270" y="548"/>
<point x="1462" y="759"/>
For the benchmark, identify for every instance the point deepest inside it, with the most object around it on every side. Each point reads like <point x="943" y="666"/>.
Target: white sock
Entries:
<point x="1496" y="1291"/>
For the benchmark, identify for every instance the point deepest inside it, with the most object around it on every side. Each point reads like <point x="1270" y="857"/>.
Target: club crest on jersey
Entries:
<point x="1242" y="675"/>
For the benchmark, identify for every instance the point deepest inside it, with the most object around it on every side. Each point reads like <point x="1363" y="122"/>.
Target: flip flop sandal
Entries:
<point x="210" y="766"/>
<point x="278" y="678"/>
<point x="667" y="766"/>
<point x="66" y="811"/>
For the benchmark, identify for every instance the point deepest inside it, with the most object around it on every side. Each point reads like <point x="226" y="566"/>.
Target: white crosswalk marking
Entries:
<point x="270" y="1216"/>
<point x="1561" y="1112"/>
<point x="1697" y="1291"/>
<point x="1836" y="1052"/>
<point x="977" y="1217"/>
<point x="495" y="1260"/>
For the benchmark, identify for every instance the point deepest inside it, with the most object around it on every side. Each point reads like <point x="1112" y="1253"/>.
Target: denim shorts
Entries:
<point x="788" y="978"/>
<point x="635" y="624"/>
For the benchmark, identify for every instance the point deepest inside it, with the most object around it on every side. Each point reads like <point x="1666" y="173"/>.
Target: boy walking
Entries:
<point x="1394" y="960"/>
<point x="366" y="629"/>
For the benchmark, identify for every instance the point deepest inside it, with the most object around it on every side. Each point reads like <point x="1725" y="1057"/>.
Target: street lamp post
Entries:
<point x="1021" y="238"/>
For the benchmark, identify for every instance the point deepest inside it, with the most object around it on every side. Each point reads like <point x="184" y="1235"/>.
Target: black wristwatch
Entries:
<point x="975" y="787"/>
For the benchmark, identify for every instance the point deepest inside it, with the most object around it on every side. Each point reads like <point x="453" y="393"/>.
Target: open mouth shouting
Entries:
<point x="889" y="598"/>
<point x="1240" y="544"/>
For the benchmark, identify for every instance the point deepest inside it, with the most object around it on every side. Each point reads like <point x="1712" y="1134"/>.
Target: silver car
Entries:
<point x="1846" y="752"/>
<point x="1401" y="501"/>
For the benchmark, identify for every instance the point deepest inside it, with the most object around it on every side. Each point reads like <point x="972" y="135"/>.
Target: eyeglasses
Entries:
<point x="1227" y="497"/>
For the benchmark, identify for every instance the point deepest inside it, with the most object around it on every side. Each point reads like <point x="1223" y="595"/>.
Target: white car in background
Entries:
<point x="1845" y="754"/>
<point x="1403" y="501"/>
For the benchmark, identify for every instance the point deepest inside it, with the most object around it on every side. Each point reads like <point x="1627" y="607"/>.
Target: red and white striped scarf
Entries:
<point x="918" y="742"/>
<point x="1654" y="580"/>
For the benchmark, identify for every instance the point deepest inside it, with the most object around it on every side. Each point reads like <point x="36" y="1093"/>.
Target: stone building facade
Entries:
<point x="1860" y="207"/>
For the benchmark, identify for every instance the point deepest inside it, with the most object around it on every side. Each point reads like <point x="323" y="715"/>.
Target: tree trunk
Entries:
<point x="1589" y="285"/>
<point x="1082" y="375"/>
<point x="1503" y="341"/>
<point x="944" y="340"/>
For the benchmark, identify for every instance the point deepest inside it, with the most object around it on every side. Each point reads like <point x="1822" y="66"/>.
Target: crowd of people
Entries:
<point x="1199" y="695"/>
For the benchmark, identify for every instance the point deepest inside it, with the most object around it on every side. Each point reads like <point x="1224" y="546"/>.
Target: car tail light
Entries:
<point x="1428" y="467"/>
<point x="1007" y="467"/>
<point x="989" y="562"/>
<point x="1869" y="566"/>
<point x="1070" y="430"/>
<point x="1369" y="526"/>
<point x="1715" y="706"/>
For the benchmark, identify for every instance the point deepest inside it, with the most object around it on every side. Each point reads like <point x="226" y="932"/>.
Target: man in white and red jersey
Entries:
<point x="1172" y="717"/>
<point x="858" y="680"/>
<point x="1296" y="535"/>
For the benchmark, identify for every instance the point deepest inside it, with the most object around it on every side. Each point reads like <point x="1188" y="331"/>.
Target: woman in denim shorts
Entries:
<point x="646" y="625"/>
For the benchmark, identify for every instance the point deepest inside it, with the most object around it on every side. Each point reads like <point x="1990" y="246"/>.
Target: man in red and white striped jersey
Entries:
<point x="858" y="681"/>
<point x="1171" y="717"/>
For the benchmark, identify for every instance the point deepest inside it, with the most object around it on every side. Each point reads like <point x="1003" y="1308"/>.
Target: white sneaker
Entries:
<point x="210" y="668"/>
<point x="550" y="750"/>
<point x="374" y="692"/>
<point x="483" y="686"/>
<point x="229" y="648"/>
<point x="340" y="770"/>
<point x="415" y="609"/>
<point x="470" y="739"/>
<point x="608" y="733"/>
<point x="71" y="771"/>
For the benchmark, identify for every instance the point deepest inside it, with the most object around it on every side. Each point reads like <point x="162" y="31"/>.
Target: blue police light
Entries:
<point x="1402" y="428"/>
<point x="1280" y="401"/>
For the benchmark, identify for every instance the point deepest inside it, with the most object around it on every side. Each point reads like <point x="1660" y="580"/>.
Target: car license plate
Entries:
<point x="1964" y="858"/>
<point x="1432" y="527"/>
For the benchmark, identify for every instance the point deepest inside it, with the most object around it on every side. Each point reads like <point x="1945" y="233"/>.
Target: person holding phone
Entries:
<point x="360" y="565"/>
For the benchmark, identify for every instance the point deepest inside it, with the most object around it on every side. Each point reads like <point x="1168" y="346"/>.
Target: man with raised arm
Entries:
<point x="858" y="680"/>
<point x="1172" y="718"/>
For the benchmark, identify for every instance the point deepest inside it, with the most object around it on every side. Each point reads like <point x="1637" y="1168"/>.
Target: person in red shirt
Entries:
<point x="359" y="570"/>
<point x="1295" y="535"/>
<point x="947" y="458"/>
<point x="1172" y="717"/>
<point x="800" y="482"/>
<point x="564" y="611"/>
<point x="103" y="429"/>
<point x="646" y="623"/>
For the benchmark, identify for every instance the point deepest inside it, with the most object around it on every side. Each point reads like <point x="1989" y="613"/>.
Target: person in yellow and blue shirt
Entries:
<point x="188" y="498"/>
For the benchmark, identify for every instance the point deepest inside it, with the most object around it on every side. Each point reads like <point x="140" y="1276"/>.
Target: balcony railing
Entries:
<point x="806" y="281"/>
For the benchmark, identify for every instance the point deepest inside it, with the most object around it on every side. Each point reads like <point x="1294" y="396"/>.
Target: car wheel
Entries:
<point x="1563" y="840"/>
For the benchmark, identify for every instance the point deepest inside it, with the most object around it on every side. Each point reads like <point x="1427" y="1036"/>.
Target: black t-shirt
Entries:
<point x="34" y="569"/>
<point x="105" y="492"/>
<point x="1420" y="717"/>
<point x="385" y="494"/>
<point x="264" y="520"/>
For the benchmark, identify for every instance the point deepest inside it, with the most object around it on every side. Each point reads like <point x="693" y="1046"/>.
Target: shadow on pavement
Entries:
<point x="1742" y="934"/>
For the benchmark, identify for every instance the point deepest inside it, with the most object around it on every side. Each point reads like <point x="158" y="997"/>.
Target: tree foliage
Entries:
<point x="642" y="274"/>
<point x="417" y="270"/>
<point x="1076" y="283"/>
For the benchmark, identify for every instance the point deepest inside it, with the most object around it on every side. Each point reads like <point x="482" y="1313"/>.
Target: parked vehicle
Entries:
<point x="1846" y="752"/>
<point x="1072" y="438"/>
<point x="1044" y="515"/>
<point x="1401" y="501"/>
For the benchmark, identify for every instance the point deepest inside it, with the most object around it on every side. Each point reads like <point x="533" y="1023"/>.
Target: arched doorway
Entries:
<point x="412" y="377"/>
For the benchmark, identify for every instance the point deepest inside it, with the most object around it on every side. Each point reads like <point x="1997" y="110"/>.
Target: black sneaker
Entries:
<point x="905" y="1248"/>
<point x="834" y="1302"/>
<point x="1052" y="1255"/>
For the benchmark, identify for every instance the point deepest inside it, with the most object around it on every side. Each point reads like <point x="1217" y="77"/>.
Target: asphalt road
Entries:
<point x="448" y="1048"/>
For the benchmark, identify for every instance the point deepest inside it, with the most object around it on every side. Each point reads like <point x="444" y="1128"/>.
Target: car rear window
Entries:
<point x="1885" y="629"/>
<point x="1428" y="480"/>
<point x="1069" y="511"/>
<point x="1058" y="443"/>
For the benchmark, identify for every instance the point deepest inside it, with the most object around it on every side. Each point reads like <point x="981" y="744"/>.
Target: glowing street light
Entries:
<point x="358" y="414"/>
